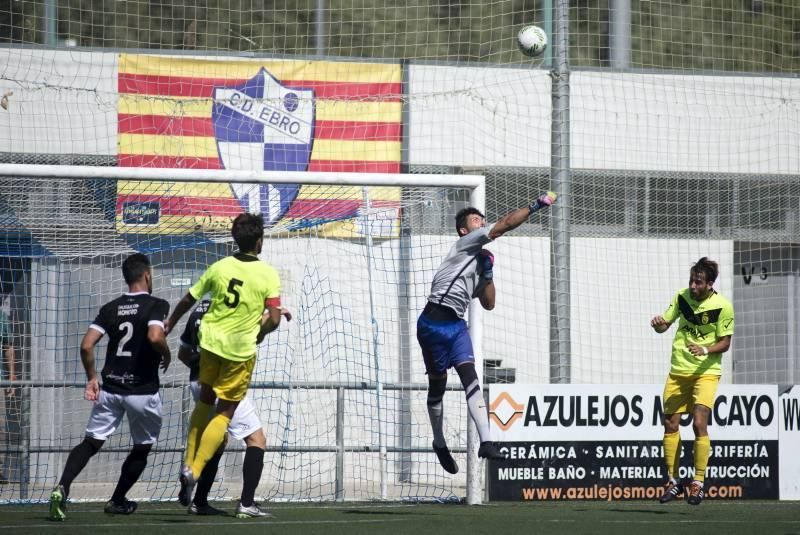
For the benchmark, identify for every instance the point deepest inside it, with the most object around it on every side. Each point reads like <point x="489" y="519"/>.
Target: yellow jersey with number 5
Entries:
<point x="241" y="286"/>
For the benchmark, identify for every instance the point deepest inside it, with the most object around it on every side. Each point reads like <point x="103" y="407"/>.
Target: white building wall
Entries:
<point x="63" y="102"/>
<point x="481" y="117"/>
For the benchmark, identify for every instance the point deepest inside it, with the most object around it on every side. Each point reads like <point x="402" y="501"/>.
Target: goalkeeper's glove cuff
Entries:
<point x="542" y="202"/>
<point x="537" y="205"/>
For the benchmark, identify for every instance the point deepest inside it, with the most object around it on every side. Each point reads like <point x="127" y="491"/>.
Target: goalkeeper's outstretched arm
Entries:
<point x="515" y="218"/>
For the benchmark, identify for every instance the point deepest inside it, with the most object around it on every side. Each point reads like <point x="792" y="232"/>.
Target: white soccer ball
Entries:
<point x="532" y="40"/>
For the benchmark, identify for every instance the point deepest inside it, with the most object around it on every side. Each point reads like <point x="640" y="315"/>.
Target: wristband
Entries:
<point x="705" y="350"/>
<point x="543" y="201"/>
<point x="535" y="206"/>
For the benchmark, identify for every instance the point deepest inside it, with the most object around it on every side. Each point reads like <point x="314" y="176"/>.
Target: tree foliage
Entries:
<point x="722" y="35"/>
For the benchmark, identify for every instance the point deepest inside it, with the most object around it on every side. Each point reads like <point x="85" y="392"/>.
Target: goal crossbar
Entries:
<point x="242" y="176"/>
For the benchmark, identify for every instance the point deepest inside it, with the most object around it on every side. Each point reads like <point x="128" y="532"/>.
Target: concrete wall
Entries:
<point x="66" y="102"/>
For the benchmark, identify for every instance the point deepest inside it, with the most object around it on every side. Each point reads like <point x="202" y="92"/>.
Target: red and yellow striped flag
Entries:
<point x="165" y="120"/>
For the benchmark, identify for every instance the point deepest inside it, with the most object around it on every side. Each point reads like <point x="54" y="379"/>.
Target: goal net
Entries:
<point x="340" y="389"/>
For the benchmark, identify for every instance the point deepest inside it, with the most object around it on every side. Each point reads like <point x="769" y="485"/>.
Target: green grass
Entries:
<point x="729" y="518"/>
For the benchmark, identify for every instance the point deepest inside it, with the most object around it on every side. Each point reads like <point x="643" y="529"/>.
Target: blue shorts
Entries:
<point x="444" y="344"/>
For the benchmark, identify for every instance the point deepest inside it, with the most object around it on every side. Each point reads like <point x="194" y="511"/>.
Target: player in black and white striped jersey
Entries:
<point x="137" y="347"/>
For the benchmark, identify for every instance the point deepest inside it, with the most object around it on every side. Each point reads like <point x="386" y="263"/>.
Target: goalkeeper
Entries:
<point x="466" y="273"/>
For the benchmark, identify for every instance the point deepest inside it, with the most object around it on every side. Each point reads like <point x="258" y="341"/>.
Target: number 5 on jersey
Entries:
<point x="233" y="290"/>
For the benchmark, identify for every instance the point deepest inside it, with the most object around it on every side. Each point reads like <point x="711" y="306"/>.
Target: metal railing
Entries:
<point x="339" y="448"/>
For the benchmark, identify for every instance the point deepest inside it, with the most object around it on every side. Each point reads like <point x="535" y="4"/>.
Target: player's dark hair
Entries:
<point x="134" y="267"/>
<point x="246" y="230"/>
<point x="707" y="267"/>
<point x="461" y="216"/>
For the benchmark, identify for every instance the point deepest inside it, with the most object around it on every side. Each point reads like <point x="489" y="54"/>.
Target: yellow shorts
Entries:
<point x="683" y="392"/>
<point x="228" y="378"/>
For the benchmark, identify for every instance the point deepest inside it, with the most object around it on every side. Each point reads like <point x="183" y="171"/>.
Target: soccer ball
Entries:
<point x="532" y="40"/>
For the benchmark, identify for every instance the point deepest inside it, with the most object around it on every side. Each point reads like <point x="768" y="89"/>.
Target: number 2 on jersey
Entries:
<point x="233" y="289"/>
<point x="128" y="328"/>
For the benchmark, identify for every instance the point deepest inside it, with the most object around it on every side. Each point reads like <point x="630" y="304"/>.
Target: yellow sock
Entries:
<point x="672" y="453"/>
<point x="210" y="442"/>
<point x="702" y="449"/>
<point x="197" y="423"/>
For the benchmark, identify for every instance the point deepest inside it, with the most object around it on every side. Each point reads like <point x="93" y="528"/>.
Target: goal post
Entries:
<point x="340" y="389"/>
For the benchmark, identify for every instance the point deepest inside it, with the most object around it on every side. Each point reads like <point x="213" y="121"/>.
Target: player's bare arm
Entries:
<point x="720" y="346"/>
<point x="183" y="306"/>
<point x="270" y="320"/>
<point x="515" y="218"/>
<point x="659" y="324"/>
<point x="88" y="344"/>
<point x="157" y="337"/>
<point x="487" y="295"/>
<point x="8" y="353"/>
<point x="486" y="289"/>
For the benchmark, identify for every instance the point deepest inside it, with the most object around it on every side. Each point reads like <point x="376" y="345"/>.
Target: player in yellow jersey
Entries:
<point x="705" y="328"/>
<point x="245" y="307"/>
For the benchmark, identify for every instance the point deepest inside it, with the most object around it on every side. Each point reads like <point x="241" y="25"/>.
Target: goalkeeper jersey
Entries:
<point x="457" y="281"/>
<point x="702" y="323"/>
<point x="241" y="286"/>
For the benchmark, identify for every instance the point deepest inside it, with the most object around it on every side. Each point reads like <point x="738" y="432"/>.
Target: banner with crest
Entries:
<point x="276" y="115"/>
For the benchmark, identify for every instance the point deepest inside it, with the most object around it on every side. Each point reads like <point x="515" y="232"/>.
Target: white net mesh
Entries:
<point x="354" y="285"/>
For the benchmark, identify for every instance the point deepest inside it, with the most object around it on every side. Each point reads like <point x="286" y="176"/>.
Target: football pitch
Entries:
<point x="725" y="517"/>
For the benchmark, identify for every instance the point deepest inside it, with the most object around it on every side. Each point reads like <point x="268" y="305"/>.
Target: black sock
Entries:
<point x="251" y="474"/>
<point x="206" y="480"/>
<point x="77" y="460"/>
<point x="132" y="468"/>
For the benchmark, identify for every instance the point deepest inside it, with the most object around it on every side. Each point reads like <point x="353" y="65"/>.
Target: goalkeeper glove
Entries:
<point x="486" y="262"/>
<point x="543" y="201"/>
